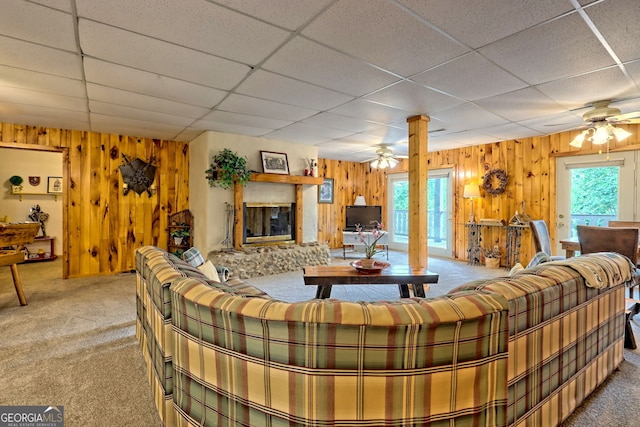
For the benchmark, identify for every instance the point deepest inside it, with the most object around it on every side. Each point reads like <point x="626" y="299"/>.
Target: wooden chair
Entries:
<point x="623" y="240"/>
<point x="13" y="237"/>
<point x="541" y="239"/>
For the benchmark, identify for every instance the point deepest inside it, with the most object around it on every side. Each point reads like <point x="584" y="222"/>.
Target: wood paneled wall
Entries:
<point x="102" y="226"/>
<point x="529" y="162"/>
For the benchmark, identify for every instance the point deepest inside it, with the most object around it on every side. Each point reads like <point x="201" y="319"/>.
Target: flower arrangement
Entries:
<point x="370" y="240"/>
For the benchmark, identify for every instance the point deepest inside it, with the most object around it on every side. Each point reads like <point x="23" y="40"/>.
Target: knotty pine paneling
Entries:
<point x="530" y="163"/>
<point x="102" y="226"/>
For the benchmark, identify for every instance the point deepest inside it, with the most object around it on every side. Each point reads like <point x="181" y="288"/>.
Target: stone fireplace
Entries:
<point x="268" y="223"/>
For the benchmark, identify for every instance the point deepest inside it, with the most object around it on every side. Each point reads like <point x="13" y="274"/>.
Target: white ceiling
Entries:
<point x="343" y="75"/>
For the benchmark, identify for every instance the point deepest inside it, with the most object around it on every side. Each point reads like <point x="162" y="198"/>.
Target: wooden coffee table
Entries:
<point x="325" y="276"/>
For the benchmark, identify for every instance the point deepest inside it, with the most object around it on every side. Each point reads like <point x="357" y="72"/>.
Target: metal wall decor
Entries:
<point x="137" y="175"/>
<point x="37" y="215"/>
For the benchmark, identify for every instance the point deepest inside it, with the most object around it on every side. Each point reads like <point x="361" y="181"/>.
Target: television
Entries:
<point x="366" y="216"/>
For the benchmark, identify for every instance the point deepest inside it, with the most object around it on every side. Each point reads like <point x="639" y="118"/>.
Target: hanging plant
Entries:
<point x="16" y="183"/>
<point x="227" y="168"/>
<point x="495" y="181"/>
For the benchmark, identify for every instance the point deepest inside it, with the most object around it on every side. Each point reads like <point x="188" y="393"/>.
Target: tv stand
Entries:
<point x="351" y="238"/>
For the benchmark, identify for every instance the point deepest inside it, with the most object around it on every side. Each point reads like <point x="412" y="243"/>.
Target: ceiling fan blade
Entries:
<point x="369" y="160"/>
<point x="624" y="117"/>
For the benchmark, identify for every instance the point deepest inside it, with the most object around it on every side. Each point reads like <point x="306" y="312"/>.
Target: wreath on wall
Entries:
<point x="495" y="181"/>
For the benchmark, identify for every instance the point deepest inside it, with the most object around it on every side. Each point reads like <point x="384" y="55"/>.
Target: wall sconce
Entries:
<point x="125" y="188"/>
<point x="470" y="192"/>
<point x="360" y="201"/>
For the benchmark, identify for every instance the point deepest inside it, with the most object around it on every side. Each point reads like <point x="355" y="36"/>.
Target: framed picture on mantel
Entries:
<point x="274" y="162"/>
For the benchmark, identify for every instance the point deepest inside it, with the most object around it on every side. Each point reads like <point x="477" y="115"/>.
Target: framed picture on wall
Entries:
<point x="274" y="162"/>
<point x="325" y="191"/>
<point x="54" y="185"/>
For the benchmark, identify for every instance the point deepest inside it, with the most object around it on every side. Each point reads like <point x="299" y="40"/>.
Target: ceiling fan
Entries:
<point x="385" y="158"/>
<point x="600" y="122"/>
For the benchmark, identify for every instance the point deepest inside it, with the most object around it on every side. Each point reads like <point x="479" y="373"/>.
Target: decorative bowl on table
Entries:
<point x="377" y="266"/>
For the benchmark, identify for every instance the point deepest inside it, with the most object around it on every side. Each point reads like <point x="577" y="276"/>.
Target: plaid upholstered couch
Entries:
<point x="566" y="333"/>
<point x="229" y="355"/>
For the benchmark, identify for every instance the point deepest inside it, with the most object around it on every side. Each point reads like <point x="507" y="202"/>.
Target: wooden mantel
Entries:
<point x="238" y="201"/>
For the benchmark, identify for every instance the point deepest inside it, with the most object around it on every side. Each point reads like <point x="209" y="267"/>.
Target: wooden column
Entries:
<point x="418" y="175"/>
<point x="238" y="219"/>
<point x="299" y="214"/>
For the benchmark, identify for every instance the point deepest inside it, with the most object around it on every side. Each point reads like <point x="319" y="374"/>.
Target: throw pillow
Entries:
<point x="209" y="270"/>
<point x="515" y="269"/>
<point x="538" y="259"/>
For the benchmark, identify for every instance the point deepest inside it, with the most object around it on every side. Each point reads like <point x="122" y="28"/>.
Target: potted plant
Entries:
<point x="179" y="235"/>
<point x="16" y="183"/>
<point x="492" y="257"/>
<point x="227" y="168"/>
<point x="369" y="240"/>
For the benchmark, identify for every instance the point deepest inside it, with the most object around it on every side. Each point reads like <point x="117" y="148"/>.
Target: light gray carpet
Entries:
<point x="74" y="344"/>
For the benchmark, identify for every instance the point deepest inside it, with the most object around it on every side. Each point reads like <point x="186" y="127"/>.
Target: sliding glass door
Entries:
<point x="439" y="216"/>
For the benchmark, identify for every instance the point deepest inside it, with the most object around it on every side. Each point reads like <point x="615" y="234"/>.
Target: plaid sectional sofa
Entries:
<point x="524" y="350"/>
<point x="566" y="333"/>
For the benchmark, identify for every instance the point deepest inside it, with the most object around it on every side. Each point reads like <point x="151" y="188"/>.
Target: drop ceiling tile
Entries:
<point x="580" y="90"/>
<point x="201" y="25"/>
<point x="231" y="128"/>
<point x="290" y="14"/>
<point x="62" y="5"/>
<point x="467" y="116"/>
<point x="337" y="121"/>
<point x="43" y="116"/>
<point x="331" y="69"/>
<point x="266" y="85"/>
<point x="30" y="56"/>
<point x="306" y="134"/>
<point x="389" y="38"/>
<point x="509" y="131"/>
<point x="470" y="77"/>
<point x="357" y="139"/>
<point x="132" y="127"/>
<point x="143" y="82"/>
<point x="521" y="104"/>
<point x="561" y="48"/>
<point x="19" y="20"/>
<point x="145" y="53"/>
<point x="143" y="102"/>
<point x="261" y="107"/>
<point x="627" y="106"/>
<point x="32" y="80"/>
<point x="389" y="135"/>
<point x="371" y="111"/>
<point x="41" y="99"/>
<point x="612" y="16"/>
<point x="265" y="123"/>
<point x="132" y="113"/>
<point x="478" y="23"/>
<point x="413" y="98"/>
<point x="188" y="135"/>
<point x="311" y="130"/>
<point x="554" y="123"/>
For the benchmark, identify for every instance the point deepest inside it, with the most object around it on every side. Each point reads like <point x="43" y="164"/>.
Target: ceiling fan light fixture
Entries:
<point x="601" y="135"/>
<point x="579" y="139"/>
<point x="620" y="134"/>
